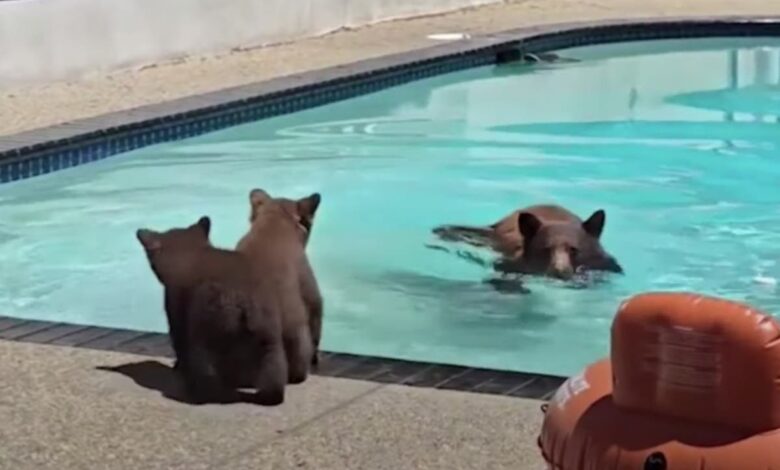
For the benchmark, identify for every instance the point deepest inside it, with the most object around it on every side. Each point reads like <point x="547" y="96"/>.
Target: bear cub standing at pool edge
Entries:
<point x="276" y="246"/>
<point x="225" y="332"/>
<point x="543" y="240"/>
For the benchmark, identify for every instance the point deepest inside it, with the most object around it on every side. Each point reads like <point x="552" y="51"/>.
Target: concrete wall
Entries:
<point x="46" y="40"/>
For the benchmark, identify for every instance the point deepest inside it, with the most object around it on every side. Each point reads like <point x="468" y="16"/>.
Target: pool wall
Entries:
<point x="67" y="145"/>
<point x="46" y="40"/>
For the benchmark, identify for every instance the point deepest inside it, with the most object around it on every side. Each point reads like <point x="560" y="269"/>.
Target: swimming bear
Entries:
<point x="276" y="245"/>
<point x="522" y="57"/>
<point x="225" y="331"/>
<point x="542" y="240"/>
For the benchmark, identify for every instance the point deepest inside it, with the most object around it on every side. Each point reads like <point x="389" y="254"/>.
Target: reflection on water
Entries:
<point x="677" y="141"/>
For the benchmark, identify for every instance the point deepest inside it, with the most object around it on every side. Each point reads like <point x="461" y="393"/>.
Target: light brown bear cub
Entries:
<point x="542" y="240"/>
<point x="276" y="246"/>
<point x="225" y="331"/>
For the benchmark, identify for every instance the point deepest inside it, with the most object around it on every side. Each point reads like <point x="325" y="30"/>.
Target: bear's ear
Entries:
<point x="258" y="196"/>
<point x="149" y="239"/>
<point x="529" y="225"/>
<point x="595" y="223"/>
<point x="204" y="223"/>
<point x="307" y="206"/>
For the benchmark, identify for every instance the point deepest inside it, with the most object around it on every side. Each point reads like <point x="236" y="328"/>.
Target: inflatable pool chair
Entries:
<point x="692" y="383"/>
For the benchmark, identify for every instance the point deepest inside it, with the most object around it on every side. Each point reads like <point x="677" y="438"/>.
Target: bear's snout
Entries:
<point x="561" y="265"/>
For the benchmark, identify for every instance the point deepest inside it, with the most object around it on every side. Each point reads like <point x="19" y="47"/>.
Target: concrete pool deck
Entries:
<point x="63" y="408"/>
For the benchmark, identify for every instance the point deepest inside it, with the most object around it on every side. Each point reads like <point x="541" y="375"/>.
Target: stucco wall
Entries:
<point x="45" y="40"/>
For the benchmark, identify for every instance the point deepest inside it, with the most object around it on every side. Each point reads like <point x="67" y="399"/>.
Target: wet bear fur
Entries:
<point x="543" y="239"/>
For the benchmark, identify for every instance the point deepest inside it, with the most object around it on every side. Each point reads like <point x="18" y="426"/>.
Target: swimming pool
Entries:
<point x="676" y="140"/>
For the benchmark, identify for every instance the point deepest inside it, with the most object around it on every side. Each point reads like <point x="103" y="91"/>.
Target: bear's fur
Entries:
<point x="276" y="245"/>
<point x="225" y="331"/>
<point x="541" y="240"/>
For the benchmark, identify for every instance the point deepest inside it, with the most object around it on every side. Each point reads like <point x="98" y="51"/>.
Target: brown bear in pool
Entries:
<point x="276" y="246"/>
<point x="225" y="332"/>
<point x="540" y="240"/>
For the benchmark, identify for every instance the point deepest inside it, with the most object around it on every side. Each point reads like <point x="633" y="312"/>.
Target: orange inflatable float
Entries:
<point x="693" y="383"/>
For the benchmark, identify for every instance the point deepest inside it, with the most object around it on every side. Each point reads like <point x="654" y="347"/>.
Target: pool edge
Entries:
<point x="340" y="365"/>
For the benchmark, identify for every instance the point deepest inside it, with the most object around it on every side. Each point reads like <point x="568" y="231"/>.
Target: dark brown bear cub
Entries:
<point x="542" y="240"/>
<point x="276" y="246"/>
<point x="224" y="331"/>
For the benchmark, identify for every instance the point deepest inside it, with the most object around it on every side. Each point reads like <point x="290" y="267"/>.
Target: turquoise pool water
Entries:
<point x="677" y="141"/>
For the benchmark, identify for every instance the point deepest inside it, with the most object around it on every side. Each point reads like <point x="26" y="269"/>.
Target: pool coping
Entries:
<point x="49" y="149"/>
<point x="332" y="364"/>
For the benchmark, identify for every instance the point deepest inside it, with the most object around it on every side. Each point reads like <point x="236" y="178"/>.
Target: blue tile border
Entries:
<point x="352" y="366"/>
<point x="42" y="151"/>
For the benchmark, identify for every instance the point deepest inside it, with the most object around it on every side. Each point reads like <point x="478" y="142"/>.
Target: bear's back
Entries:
<point x="508" y="239"/>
